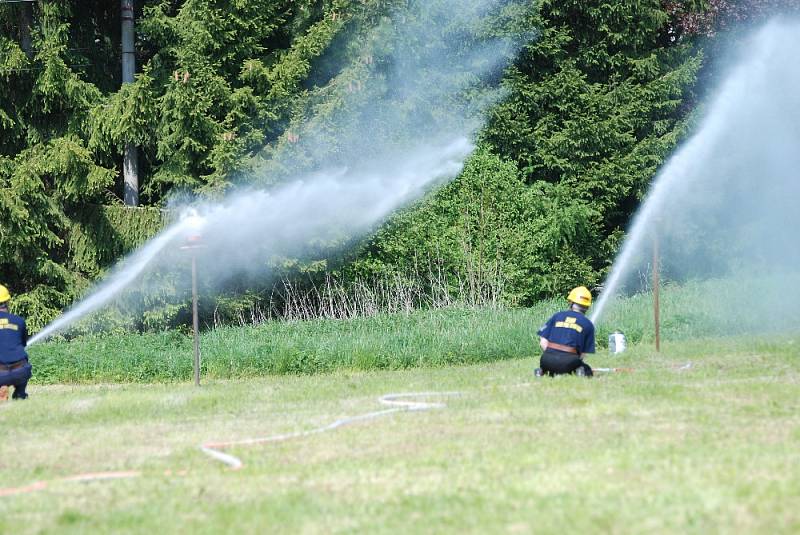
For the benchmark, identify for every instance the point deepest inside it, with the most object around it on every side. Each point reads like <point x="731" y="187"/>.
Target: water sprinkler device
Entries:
<point x="193" y="224"/>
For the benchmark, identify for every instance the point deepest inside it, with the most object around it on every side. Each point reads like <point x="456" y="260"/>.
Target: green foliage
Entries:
<point x="485" y="226"/>
<point x="99" y="235"/>
<point x="93" y="237"/>
<point x="594" y="104"/>
<point x="219" y="85"/>
<point x="45" y="163"/>
<point x="197" y="111"/>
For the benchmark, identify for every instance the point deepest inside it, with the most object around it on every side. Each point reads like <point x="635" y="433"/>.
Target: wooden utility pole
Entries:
<point x="130" y="163"/>
<point x="656" y="285"/>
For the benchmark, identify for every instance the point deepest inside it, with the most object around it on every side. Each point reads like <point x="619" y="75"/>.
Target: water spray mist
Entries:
<point x="341" y="173"/>
<point x="723" y="206"/>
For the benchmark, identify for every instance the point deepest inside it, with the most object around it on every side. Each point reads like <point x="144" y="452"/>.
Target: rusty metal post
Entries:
<point x="195" y="322"/>
<point x="193" y="225"/>
<point x="656" y="288"/>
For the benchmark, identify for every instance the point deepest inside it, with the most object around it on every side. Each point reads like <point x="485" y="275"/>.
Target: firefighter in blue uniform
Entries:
<point x="15" y="370"/>
<point x="567" y="336"/>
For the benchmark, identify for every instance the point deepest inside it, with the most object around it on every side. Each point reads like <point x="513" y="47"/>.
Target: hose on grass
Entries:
<point x="396" y="402"/>
<point x="684" y="367"/>
<point x="401" y="402"/>
<point x="88" y="476"/>
<point x="404" y="402"/>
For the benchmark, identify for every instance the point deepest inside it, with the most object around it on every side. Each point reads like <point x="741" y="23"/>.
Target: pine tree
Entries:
<point x="597" y="103"/>
<point x="227" y="91"/>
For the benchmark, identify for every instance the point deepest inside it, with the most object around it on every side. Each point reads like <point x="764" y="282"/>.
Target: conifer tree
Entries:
<point x="224" y="90"/>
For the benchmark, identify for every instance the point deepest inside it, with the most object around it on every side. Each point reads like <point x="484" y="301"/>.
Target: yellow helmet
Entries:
<point x="580" y="296"/>
<point x="4" y="295"/>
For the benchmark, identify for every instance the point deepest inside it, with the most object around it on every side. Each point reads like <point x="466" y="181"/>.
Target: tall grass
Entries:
<point x="336" y="298"/>
<point x="718" y="307"/>
<point x="383" y="341"/>
<point x="316" y="296"/>
<point x="456" y="334"/>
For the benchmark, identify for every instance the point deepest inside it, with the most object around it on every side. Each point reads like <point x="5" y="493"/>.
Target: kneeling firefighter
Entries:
<point x="566" y="336"/>
<point x="14" y="367"/>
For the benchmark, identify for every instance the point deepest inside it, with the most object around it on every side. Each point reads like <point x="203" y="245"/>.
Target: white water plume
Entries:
<point x="322" y="205"/>
<point x="402" y="127"/>
<point x="124" y="274"/>
<point x="724" y="206"/>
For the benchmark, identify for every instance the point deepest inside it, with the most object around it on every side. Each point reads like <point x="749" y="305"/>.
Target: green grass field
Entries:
<point x="665" y="448"/>
<point x="709" y="449"/>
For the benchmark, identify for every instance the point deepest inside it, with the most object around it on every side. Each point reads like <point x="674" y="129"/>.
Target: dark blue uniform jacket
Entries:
<point x="13" y="338"/>
<point x="570" y="328"/>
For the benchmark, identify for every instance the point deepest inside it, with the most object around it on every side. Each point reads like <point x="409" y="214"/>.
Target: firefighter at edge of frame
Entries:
<point x="566" y="337"/>
<point x="15" y="370"/>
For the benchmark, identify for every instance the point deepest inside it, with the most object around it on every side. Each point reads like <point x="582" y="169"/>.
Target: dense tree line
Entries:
<point x="594" y="105"/>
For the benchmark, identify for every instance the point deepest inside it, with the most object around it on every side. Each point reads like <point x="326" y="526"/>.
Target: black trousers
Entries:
<point x="18" y="378"/>
<point x="554" y="362"/>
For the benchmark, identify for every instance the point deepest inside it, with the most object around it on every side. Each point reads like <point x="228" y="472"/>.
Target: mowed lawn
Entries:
<point x="714" y="448"/>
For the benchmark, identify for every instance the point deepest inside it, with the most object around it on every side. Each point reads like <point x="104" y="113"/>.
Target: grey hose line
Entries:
<point x="398" y="402"/>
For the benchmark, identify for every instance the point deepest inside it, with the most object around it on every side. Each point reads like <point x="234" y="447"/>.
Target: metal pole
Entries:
<point x="656" y="285"/>
<point x="195" y="322"/>
<point x="25" y="17"/>
<point x="130" y="163"/>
